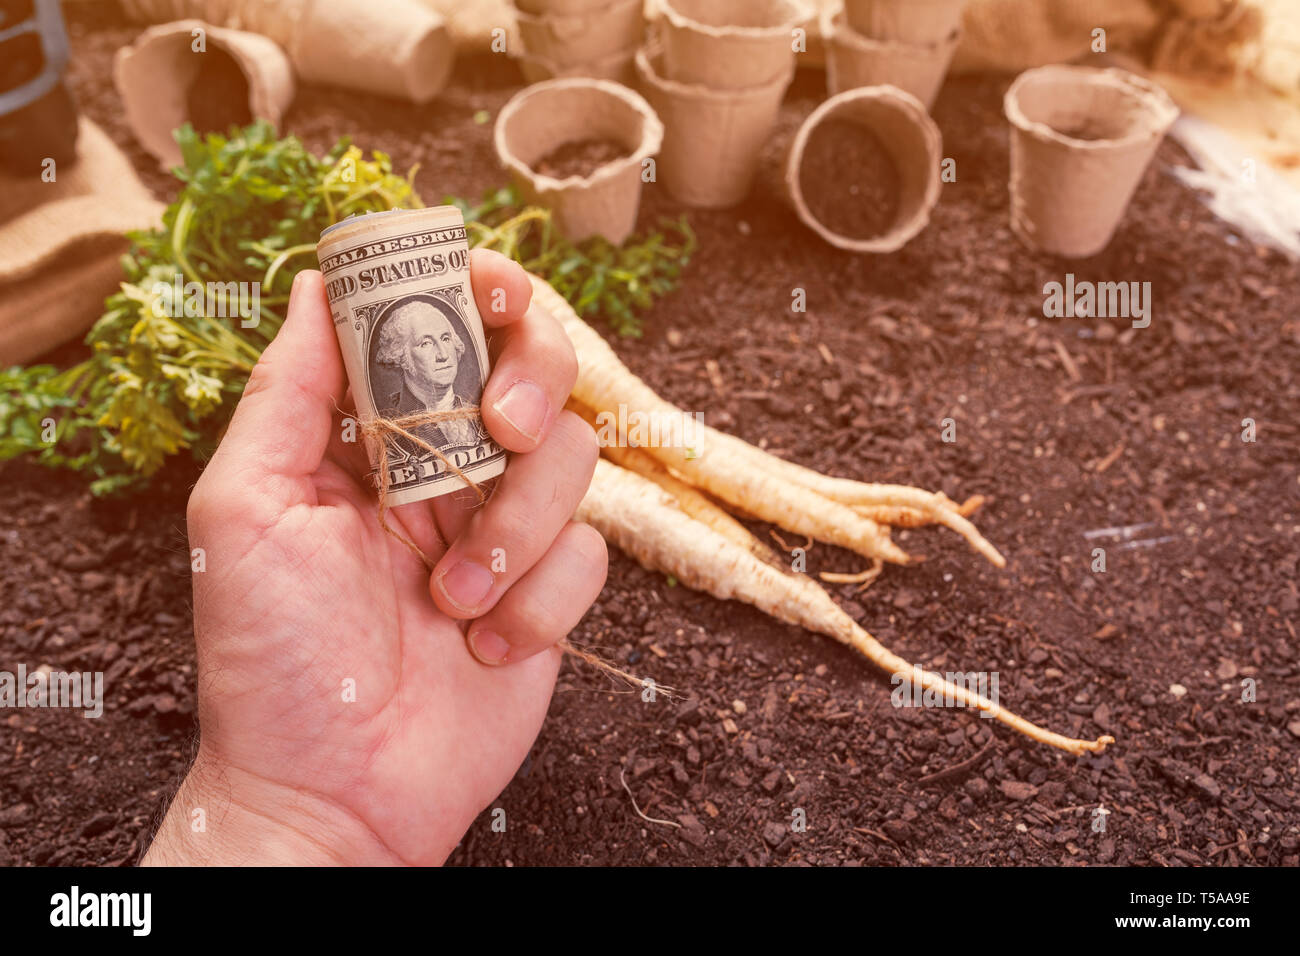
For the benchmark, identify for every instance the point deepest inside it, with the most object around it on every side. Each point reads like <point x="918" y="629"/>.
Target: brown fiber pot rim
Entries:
<point x="799" y="12"/>
<point x="902" y="232"/>
<point x="535" y="97"/>
<point x="1153" y="108"/>
<point x="647" y="56"/>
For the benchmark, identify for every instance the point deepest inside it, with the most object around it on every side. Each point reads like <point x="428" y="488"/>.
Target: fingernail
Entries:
<point x="488" y="646"/>
<point x="524" y="406"/>
<point x="466" y="585"/>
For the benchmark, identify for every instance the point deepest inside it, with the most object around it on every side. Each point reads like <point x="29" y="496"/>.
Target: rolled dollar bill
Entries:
<point x="413" y="346"/>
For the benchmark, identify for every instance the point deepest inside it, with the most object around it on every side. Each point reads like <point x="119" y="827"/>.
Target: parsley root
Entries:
<point x="866" y="497"/>
<point x="667" y="508"/>
<point x="605" y="383"/>
<point x="646" y="522"/>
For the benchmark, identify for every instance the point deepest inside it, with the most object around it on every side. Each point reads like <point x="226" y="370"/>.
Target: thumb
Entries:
<point x="283" y="422"/>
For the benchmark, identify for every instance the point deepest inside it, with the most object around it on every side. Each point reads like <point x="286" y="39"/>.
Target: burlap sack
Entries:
<point x="1218" y="49"/>
<point x="60" y="243"/>
<point x="1277" y="57"/>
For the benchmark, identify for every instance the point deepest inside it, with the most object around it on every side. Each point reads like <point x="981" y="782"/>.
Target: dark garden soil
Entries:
<point x="1069" y="426"/>
<point x="579" y="158"/>
<point x="849" y="180"/>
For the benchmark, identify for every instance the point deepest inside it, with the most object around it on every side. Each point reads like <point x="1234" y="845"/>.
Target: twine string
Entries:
<point x="387" y="432"/>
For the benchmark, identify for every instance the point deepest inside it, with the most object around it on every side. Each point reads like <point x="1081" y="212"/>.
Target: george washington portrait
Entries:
<point x="422" y="358"/>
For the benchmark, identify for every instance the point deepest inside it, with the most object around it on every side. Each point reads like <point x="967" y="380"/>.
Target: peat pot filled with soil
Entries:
<point x="863" y="169"/>
<point x="1081" y="139"/>
<point x="577" y="145"/>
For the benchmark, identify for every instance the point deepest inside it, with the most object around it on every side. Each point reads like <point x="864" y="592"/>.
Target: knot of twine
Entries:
<point x="387" y="431"/>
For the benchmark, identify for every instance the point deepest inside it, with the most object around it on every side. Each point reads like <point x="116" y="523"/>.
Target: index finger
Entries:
<point x="501" y="287"/>
<point x="285" y="418"/>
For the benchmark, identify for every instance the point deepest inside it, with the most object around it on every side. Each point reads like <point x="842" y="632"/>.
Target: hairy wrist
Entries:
<point x="224" y="816"/>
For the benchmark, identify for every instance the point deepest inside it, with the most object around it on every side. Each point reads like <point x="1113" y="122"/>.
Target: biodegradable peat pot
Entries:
<point x="712" y="138"/>
<point x="544" y="116"/>
<point x="570" y="39"/>
<point x="398" y="48"/>
<point x="164" y="83"/>
<point x="891" y="119"/>
<point x="1081" y="140"/>
<point x="854" y="60"/>
<point x="916" y="22"/>
<point x="562" y="7"/>
<point x="730" y="44"/>
<point x="616" y="67"/>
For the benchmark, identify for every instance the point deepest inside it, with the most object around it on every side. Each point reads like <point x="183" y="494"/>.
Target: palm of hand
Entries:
<point x="328" y="676"/>
<point x="335" y="674"/>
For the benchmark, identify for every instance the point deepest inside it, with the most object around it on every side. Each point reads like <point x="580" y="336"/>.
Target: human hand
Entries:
<point x="304" y="596"/>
